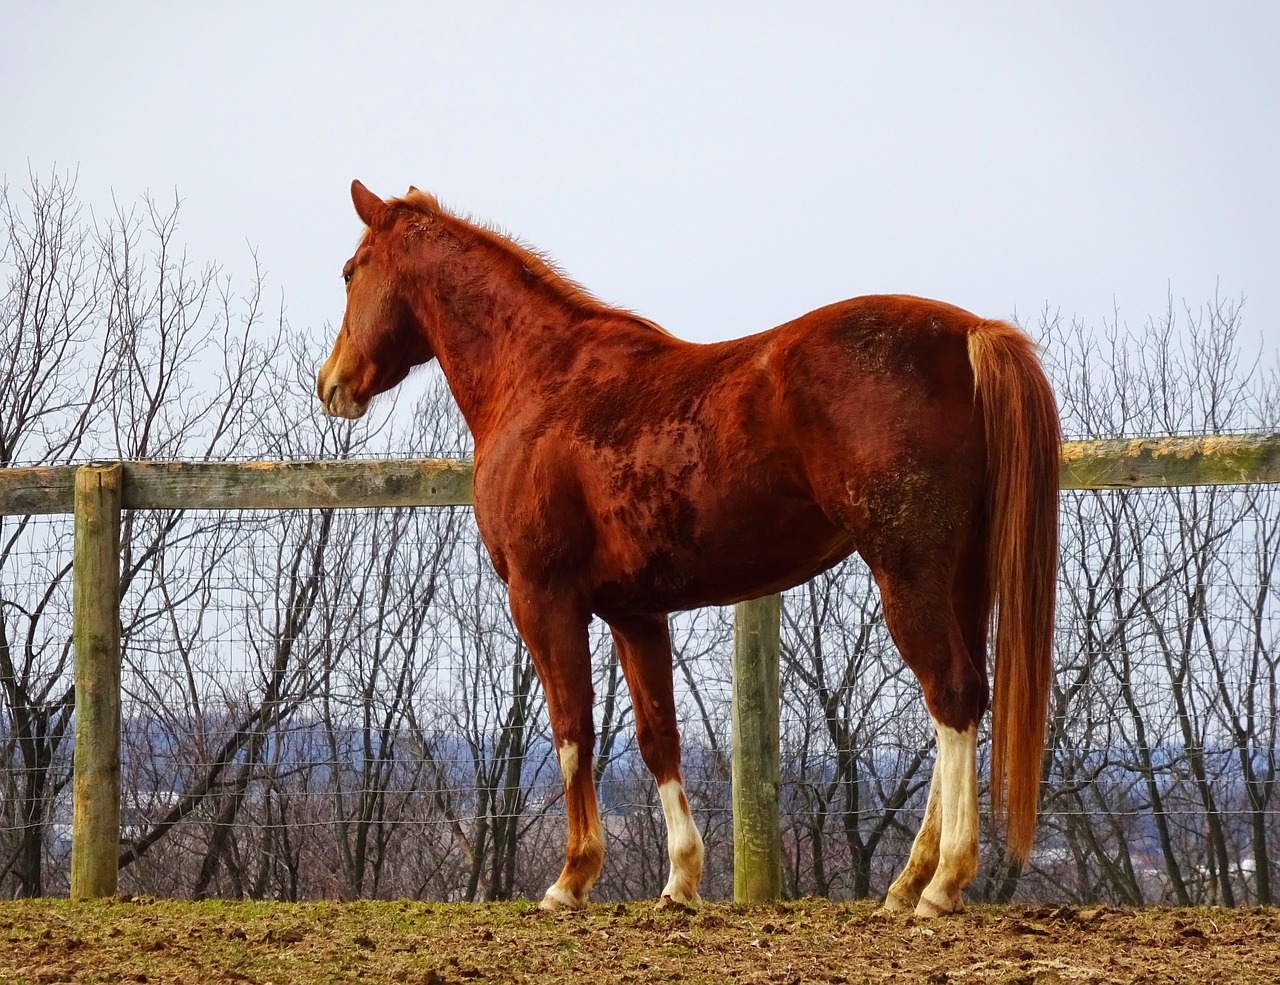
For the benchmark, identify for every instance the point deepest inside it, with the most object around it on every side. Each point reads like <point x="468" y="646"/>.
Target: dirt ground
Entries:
<point x="215" y="942"/>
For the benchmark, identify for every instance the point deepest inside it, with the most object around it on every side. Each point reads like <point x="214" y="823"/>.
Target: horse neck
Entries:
<point x="492" y="329"/>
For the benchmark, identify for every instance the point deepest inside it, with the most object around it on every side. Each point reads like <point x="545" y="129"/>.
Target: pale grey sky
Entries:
<point x="717" y="167"/>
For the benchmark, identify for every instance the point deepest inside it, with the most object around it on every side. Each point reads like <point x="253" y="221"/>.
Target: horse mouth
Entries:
<point x="337" y="402"/>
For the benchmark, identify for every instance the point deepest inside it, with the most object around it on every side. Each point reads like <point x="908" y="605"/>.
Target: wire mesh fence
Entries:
<point x="334" y="704"/>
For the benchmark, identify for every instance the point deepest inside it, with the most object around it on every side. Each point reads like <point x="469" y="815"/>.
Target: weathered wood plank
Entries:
<point x="1131" y="463"/>
<point x="37" y="490"/>
<point x="297" y="485"/>
<point x="756" y="762"/>
<point x="251" y="485"/>
<point x="95" y="812"/>
<point x="1127" y="463"/>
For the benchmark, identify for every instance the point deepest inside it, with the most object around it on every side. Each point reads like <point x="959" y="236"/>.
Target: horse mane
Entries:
<point x="535" y="263"/>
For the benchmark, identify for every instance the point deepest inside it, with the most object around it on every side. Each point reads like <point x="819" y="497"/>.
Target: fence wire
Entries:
<point x="335" y="704"/>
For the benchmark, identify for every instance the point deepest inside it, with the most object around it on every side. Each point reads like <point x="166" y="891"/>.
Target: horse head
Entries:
<point x="382" y="336"/>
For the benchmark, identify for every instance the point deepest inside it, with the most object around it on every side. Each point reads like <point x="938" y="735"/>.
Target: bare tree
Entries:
<point x="335" y="703"/>
<point x="53" y="369"/>
<point x="859" y="749"/>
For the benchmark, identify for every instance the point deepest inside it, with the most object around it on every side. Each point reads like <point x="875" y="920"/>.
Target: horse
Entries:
<point x="624" y="474"/>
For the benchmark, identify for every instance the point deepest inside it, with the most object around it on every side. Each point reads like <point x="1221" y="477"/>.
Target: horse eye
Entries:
<point x="346" y="277"/>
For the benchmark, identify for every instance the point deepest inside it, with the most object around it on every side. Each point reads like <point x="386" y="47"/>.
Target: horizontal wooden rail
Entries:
<point x="1133" y="463"/>
<point x="252" y="485"/>
<point x="1125" y="463"/>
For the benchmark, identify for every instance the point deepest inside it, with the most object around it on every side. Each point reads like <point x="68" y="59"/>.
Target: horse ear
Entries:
<point x="414" y="191"/>
<point x="368" y="205"/>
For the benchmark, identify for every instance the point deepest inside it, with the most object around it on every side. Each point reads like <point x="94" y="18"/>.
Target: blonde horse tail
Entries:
<point x="1023" y="440"/>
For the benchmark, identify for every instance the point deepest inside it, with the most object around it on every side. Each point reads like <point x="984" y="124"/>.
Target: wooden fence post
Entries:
<point x="757" y="841"/>
<point x="95" y="821"/>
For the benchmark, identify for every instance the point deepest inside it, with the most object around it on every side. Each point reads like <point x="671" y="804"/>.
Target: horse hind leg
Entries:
<point x="904" y="893"/>
<point x="958" y="826"/>
<point x="556" y="636"/>
<point x="944" y="856"/>
<point x="644" y="650"/>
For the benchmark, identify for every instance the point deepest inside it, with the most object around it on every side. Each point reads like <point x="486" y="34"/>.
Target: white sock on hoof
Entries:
<point x="556" y="898"/>
<point x="684" y="845"/>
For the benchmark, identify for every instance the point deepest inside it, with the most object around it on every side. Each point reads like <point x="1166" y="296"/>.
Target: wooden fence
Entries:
<point x="97" y="493"/>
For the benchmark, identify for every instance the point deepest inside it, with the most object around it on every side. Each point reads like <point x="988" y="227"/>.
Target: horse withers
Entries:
<point x="623" y="473"/>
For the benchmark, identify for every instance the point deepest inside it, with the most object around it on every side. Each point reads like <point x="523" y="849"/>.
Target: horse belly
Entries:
<point x="723" y="552"/>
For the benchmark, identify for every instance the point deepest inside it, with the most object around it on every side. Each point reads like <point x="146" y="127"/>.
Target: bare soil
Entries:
<point x="216" y="942"/>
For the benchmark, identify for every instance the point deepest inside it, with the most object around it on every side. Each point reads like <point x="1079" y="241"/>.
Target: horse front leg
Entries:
<point x="644" y="650"/>
<point x="556" y="634"/>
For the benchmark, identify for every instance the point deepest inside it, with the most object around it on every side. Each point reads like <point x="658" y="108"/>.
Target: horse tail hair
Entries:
<point x="1023" y="439"/>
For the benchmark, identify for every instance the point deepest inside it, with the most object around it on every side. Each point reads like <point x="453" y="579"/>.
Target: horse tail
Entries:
<point x="1023" y="439"/>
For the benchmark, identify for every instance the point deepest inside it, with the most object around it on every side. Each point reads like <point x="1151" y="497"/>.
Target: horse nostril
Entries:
<point x="331" y="396"/>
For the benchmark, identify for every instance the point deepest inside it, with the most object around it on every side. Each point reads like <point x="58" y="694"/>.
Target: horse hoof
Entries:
<point x="897" y="904"/>
<point x="561" y="899"/>
<point x="933" y="908"/>
<point x="669" y="902"/>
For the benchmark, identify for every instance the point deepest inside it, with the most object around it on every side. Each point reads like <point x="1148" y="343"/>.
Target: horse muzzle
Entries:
<point x="338" y="402"/>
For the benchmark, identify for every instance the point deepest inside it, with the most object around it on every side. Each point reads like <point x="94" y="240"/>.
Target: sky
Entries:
<point x="719" y="168"/>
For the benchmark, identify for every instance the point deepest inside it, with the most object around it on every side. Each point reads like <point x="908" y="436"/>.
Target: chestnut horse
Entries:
<point x="623" y="473"/>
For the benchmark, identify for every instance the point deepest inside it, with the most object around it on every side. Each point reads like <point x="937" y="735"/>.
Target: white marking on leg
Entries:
<point x="556" y="898"/>
<point x="904" y="894"/>
<point x="684" y="845"/>
<point x="958" y="842"/>
<point x="569" y="762"/>
<point x="583" y="857"/>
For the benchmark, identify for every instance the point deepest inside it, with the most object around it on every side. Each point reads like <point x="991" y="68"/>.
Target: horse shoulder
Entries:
<point x="529" y="508"/>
